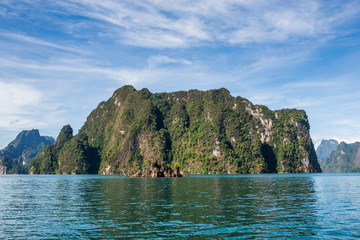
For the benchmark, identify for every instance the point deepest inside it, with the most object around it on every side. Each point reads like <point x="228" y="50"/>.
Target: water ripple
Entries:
<point x="298" y="206"/>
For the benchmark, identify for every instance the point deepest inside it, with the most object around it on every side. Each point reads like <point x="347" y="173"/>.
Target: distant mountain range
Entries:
<point x="17" y="155"/>
<point x="335" y="157"/>
<point x="325" y="148"/>
<point x="194" y="131"/>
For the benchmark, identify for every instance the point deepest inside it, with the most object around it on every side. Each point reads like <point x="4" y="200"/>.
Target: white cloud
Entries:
<point x="18" y="102"/>
<point x="36" y="104"/>
<point x="24" y="106"/>
<point x="16" y="97"/>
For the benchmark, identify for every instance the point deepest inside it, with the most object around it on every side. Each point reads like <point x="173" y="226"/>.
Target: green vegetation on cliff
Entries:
<point x="199" y="132"/>
<point x="47" y="161"/>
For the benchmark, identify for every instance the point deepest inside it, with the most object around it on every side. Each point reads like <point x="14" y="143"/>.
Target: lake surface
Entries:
<point x="297" y="206"/>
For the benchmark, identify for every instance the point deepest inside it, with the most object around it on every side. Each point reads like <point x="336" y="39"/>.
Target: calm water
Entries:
<point x="302" y="206"/>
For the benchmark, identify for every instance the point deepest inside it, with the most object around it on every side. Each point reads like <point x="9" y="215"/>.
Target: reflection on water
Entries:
<point x="199" y="207"/>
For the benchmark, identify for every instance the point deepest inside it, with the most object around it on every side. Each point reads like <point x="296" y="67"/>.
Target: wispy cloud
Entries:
<point x="169" y="24"/>
<point x="32" y="40"/>
<point x="165" y="24"/>
<point x="80" y="67"/>
<point x="155" y="61"/>
<point x="313" y="84"/>
<point x="64" y="66"/>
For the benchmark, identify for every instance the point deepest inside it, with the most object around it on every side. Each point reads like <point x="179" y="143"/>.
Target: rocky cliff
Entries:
<point x="17" y="155"/>
<point x="345" y="158"/>
<point x="194" y="131"/>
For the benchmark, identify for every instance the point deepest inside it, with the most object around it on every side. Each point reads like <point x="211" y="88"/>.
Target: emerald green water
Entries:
<point x="297" y="206"/>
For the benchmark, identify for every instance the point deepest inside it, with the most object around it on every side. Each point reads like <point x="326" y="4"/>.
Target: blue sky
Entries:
<point x="59" y="59"/>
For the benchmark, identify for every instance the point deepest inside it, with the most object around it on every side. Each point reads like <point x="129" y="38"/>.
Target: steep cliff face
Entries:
<point x="199" y="132"/>
<point x="345" y="158"/>
<point x="19" y="153"/>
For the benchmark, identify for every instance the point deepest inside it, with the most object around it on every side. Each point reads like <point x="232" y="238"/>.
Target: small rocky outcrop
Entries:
<point x="160" y="170"/>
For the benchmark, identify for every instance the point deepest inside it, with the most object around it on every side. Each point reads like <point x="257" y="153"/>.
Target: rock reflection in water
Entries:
<point x="206" y="207"/>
